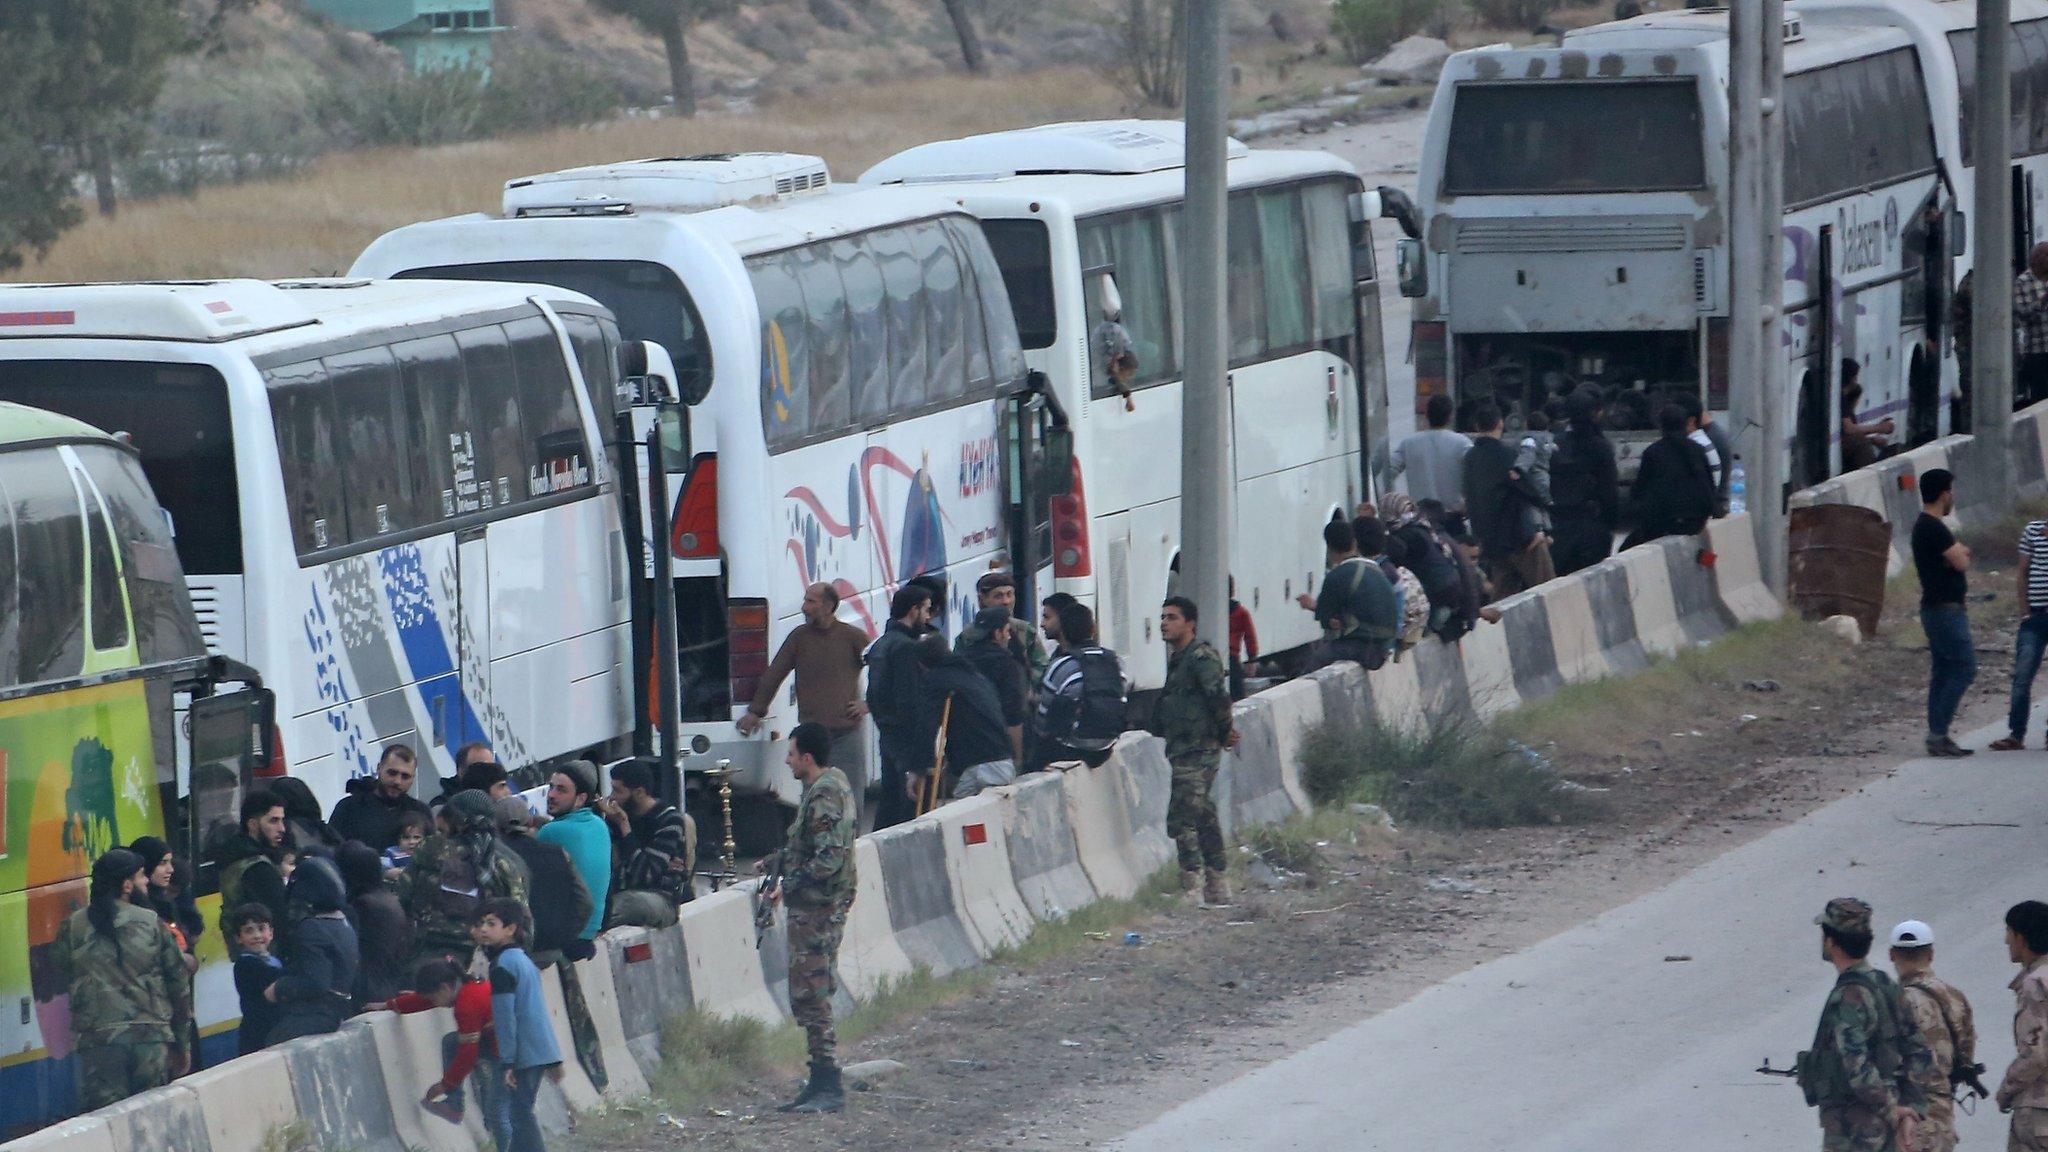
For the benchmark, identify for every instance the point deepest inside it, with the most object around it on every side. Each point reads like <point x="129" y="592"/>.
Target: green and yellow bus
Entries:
<point x="113" y="725"/>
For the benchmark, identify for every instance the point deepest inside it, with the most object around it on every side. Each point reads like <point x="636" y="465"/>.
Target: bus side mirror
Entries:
<point x="1058" y="479"/>
<point x="650" y="377"/>
<point x="1412" y="268"/>
<point x="1958" y="232"/>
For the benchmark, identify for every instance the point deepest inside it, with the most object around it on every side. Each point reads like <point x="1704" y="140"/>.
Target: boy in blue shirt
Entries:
<point x="519" y="1016"/>
<point x="255" y="971"/>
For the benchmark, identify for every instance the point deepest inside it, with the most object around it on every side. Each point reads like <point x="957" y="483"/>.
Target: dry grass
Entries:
<point x="318" y="222"/>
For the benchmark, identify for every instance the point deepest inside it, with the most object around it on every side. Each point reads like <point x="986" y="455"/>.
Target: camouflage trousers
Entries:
<point x="2029" y="1131"/>
<point x="1191" y="813"/>
<point x="1937" y="1133"/>
<point x="582" y="1027"/>
<point x="113" y="1071"/>
<point x="1855" y="1130"/>
<point x="814" y="935"/>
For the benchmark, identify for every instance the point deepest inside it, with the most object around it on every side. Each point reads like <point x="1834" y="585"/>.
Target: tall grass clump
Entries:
<point x="1456" y="773"/>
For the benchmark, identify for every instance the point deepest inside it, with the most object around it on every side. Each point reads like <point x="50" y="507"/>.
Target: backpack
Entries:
<point x="1100" y="713"/>
<point x="458" y="891"/>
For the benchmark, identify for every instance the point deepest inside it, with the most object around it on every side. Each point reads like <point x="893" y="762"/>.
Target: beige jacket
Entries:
<point x="2026" y="1081"/>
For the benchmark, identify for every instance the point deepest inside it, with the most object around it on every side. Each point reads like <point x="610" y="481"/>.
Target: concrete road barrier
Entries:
<point x="1397" y="697"/>
<point x="1489" y="670"/>
<point x="870" y="959"/>
<point x="1574" y="633"/>
<point x="1044" y="861"/>
<point x="1616" y="613"/>
<point x="1440" y="673"/>
<point x="160" y="1120"/>
<point x="575" y="1085"/>
<point x="1249" y="789"/>
<point x="1737" y="575"/>
<point x="82" y="1134"/>
<point x="1102" y="837"/>
<point x="1146" y="787"/>
<point x="241" y="1101"/>
<point x="1347" y="695"/>
<point x="651" y="977"/>
<point x="338" y="1081"/>
<point x="1532" y="651"/>
<point x="725" y="967"/>
<point x="1659" y="632"/>
<point x="927" y="926"/>
<point x="1692" y="589"/>
<point x="624" y="1080"/>
<point x="978" y="867"/>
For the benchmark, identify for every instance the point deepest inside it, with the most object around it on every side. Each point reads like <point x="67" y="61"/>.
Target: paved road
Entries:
<point x="1593" y="1041"/>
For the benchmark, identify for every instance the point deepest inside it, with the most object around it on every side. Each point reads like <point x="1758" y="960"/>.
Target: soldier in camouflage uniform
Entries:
<point x="1193" y="714"/>
<point x="813" y="875"/>
<point x="451" y="876"/>
<point x="1867" y="1066"/>
<point x="131" y="997"/>
<point x="2024" y="1090"/>
<point x="1942" y="1017"/>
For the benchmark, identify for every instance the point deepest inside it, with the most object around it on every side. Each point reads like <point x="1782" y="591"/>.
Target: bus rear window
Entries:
<point x="649" y="301"/>
<point x="1592" y="136"/>
<point x="177" y="417"/>
<point x="1024" y="252"/>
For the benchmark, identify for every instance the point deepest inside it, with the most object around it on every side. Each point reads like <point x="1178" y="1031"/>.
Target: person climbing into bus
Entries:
<point x="130" y="993"/>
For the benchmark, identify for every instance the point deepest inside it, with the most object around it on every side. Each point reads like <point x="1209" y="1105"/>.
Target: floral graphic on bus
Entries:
<point x="814" y="531"/>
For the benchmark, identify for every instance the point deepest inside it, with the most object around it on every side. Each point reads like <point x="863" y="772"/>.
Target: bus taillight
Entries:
<point x="746" y="632"/>
<point x="1070" y="530"/>
<point x="695" y="536"/>
<point x="1431" y="356"/>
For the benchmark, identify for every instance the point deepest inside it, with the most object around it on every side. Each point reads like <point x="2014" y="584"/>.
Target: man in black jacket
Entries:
<point x="557" y="895"/>
<point x="1674" y="489"/>
<point x="895" y="700"/>
<point x="961" y="699"/>
<point x="993" y="654"/>
<point x="248" y="859"/>
<point x="1515" y="556"/>
<point x="373" y="809"/>
<point x="1585" y="488"/>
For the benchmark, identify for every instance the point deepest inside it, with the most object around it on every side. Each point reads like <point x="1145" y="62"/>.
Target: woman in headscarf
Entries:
<point x="1428" y="553"/>
<point x="316" y="991"/>
<point x="453" y="873"/>
<point x="170" y="894"/>
<point x="383" y="931"/>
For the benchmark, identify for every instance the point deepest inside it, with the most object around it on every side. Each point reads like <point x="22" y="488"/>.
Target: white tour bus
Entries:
<point x="1084" y="219"/>
<point x="858" y="395"/>
<point x="389" y="498"/>
<point x="1575" y="199"/>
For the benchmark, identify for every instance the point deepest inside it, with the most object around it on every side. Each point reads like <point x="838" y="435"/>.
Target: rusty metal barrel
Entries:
<point x="1838" y="557"/>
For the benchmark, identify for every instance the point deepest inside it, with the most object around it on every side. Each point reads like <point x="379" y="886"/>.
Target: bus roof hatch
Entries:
<point x="1095" y="147"/>
<point x="669" y="184"/>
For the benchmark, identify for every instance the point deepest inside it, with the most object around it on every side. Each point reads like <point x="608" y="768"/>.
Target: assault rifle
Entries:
<point x="1969" y="1078"/>
<point x="764" y="907"/>
<point x="1788" y="1073"/>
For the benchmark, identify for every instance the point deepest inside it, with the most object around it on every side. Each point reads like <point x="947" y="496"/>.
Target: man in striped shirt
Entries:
<point x="2033" y="637"/>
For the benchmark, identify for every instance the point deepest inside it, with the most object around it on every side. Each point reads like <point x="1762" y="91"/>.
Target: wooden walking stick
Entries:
<point x="928" y="797"/>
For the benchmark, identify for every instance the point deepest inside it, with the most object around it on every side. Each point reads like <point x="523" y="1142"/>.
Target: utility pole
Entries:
<point x="1745" y="252"/>
<point x="1769" y="487"/>
<point x="1991" y="331"/>
<point x="1205" y="456"/>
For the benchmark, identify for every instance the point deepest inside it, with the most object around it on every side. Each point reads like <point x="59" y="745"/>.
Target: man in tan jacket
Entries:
<point x="2024" y="1091"/>
<point x="1946" y="1025"/>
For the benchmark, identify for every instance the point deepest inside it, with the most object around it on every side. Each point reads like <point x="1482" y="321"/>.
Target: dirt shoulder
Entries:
<point x="1696" y="755"/>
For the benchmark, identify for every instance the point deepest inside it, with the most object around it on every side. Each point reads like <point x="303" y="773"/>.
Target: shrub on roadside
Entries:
<point x="1367" y="28"/>
<point x="1513" y="15"/>
<point x="1456" y="774"/>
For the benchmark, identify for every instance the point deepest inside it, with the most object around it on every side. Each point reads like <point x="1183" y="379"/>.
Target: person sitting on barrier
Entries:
<point x="250" y="934"/>
<point x="470" y="1053"/>
<point x="316" y="990"/>
<point x="454" y="873"/>
<point x="1355" y="605"/>
<point x="130" y="994"/>
<point x="1378" y="545"/>
<point x="654" y="850"/>
<point x="519" y="1020"/>
<point x="962" y="705"/>
<point x="566" y="917"/>
<point x="1674" y="490"/>
<point x="574" y="826"/>
<point x="813" y="875"/>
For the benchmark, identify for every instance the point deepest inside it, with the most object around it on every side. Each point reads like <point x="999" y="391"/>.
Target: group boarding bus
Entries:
<point x="860" y="410"/>
<point x="1577" y="234"/>
<point x="393" y="500"/>
<point x="1085" y="222"/>
<point x="99" y="652"/>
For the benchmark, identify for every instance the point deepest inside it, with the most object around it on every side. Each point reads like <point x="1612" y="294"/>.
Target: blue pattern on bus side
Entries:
<point x="419" y="633"/>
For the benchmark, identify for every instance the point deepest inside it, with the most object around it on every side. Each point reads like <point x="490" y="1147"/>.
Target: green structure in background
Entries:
<point x="431" y="33"/>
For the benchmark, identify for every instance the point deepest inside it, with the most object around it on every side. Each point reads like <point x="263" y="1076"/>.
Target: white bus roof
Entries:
<point x="1806" y="45"/>
<point x="1096" y="147"/>
<point x="1941" y="16"/>
<point x="269" y="314"/>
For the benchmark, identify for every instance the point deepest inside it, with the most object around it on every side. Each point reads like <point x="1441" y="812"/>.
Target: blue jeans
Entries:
<point x="2027" y="650"/>
<point x="1954" y="664"/>
<point x="512" y="1121"/>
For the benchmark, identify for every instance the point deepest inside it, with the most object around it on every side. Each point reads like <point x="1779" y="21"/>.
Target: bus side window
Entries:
<point x="448" y="479"/>
<point x="1329" y="258"/>
<point x="302" y="408"/>
<point x="999" y="318"/>
<point x="50" y="552"/>
<point x="547" y="398"/>
<point x="868" y="348"/>
<point x="825" y="314"/>
<point x="785" y="351"/>
<point x="10" y="608"/>
<point x="980" y="380"/>
<point x="375" y="455"/>
<point x="1283" y="256"/>
<point x="109" y="606"/>
<point x="908" y="347"/>
<point x="1247" y="292"/>
<point x="946" y="361"/>
<point x="165" y="627"/>
<point x="494" y="400"/>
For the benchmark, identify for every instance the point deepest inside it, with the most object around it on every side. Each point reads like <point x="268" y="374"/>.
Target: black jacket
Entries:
<point x="1674" y="490"/>
<point x="558" y="896"/>
<point x="365" y="815"/>
<point x="1585" y="484"/>
<point x="1494" y="498"/>
<point x="303" y="826"/>
<point x="974" y="729"/>
<point x="317" y="990"/>
<point x="384" y="942"/>
<point x="248" y="874"/>
<point x="1004" y="672"/>
<point x="895" y="696"/>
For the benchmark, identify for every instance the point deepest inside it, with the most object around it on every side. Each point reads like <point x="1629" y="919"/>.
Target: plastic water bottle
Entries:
<point x="1736" y="507"/>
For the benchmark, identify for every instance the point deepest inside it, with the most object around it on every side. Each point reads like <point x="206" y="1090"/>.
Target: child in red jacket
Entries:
<point x="472" y="1047"/>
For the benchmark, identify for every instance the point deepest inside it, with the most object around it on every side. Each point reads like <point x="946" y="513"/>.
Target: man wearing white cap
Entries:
<point x="1946" y="1026"/>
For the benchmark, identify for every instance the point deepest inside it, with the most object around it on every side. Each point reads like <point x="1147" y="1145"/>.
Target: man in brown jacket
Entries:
<point x="1946" y="1025"/>
<point x="2024" y="1091"/>
<point x="825" y="653"/>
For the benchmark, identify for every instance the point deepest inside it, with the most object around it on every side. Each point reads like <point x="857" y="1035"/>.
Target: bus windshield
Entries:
<point x="648" y="299"/>
<point x="1576" y="136"/>
<point x="176" y="415"/>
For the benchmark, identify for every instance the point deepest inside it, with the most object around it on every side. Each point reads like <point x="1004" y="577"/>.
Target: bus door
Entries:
<point x="452" y="725"/>
<point x="2022" y="217"/>
<point x="1038" y="454"/>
